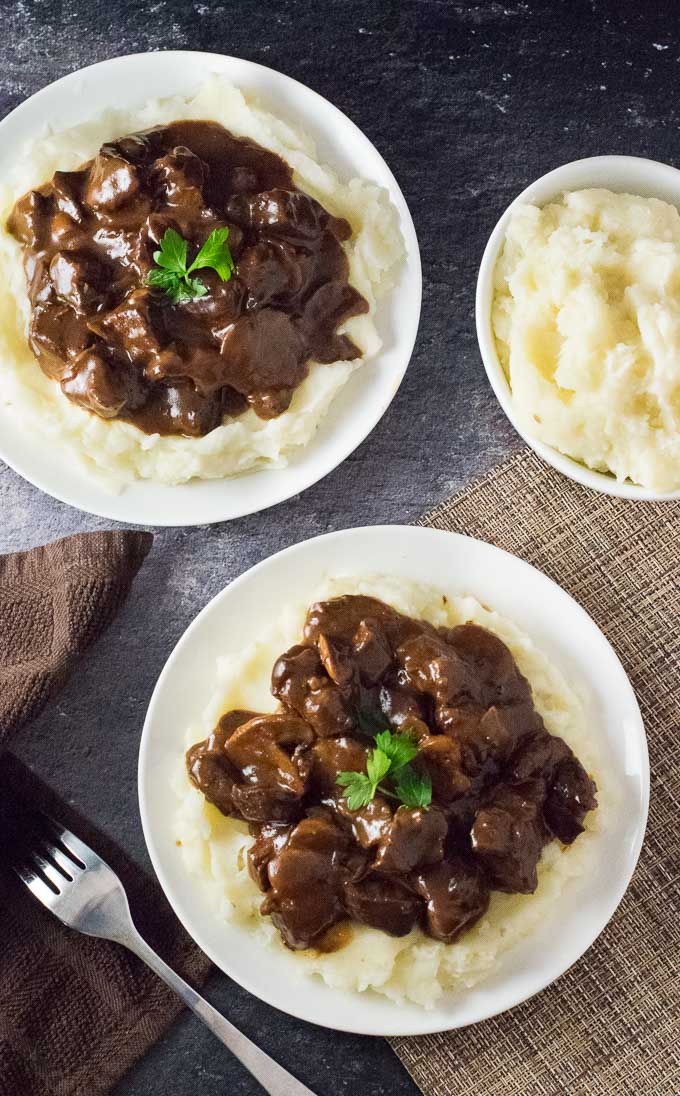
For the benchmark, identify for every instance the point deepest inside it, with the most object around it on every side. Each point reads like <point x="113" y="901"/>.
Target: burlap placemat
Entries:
<point x="75" y="1012"/>
<point x="611" y="1025"/>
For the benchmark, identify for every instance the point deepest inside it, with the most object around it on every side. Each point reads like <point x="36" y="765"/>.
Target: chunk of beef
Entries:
<point x="340" y="618"/>
<point x="306" y="879"/>
<point x="508" y="836"/>
<point x="370" y="824"/>
<point x="264" y="359"/>
<point x="30" y="219"/>
<point x="57" y="334"/>
<point x="271" y="272"/>
<point x="208" y="766"/>
<point x="66" y="193"/>
<point x="78" y="280"/>
<point x="285" y="214"/>
<point x="271" y="839"/>
<point x="300" y="682"/>
<point x="97" y="386"/>
<point x="179" y="177"/>
<point x="413" y="839"/>
<point x="456" y="896"/>
<point x="431" y="666"/>
<point x="405" y="710"/>
<point x="440" y="757"/>
<point x="497" y="679"/>
<point x="112" y="181"/>
<point x="382" y="903"/>
<point x="135" y="329"/>
<point x="570" y="796"/>
<point x="329" y="756"/>
<point x="330" y="306"/>
<point x="537" y="755"/>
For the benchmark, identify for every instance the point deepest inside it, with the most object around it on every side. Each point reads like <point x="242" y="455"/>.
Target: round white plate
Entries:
<point x="622" y="174"/>
<point x="456" y="565"/>
<point x="124" y="82"/>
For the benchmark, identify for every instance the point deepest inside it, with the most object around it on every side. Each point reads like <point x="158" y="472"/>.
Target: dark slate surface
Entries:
<point x="468" y="103"/>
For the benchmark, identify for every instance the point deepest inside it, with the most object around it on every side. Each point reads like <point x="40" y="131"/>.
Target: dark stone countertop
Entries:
<point x="468" y="102"/>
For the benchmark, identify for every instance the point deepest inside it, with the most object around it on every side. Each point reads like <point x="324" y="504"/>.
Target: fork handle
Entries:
<point x="274" y="1078"/>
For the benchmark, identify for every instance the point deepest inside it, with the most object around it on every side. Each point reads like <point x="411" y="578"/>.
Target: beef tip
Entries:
<point x="324" y="311"/>
<point x="570" y="797"/>
<point x="508" y="836"/>
<point x="100" y="387"/>
<point x="270" y="840"/>
<point x="306" y="880"/>
<point x="340" y="618"/>
<point x="264" y="359"/>
<point x="255" y="803"/>
<point x="371" y="652"/>
<point x="57" y="334"/>
<point x="537" y="755"/>
<point x="271" y="272"/>
<point x="404" y="710"/>
<point x="190" y="412"/>
<point x="329" y="756"/>
<point x="208" y="766"/>
<point x="489" y="739"/>
<point x="66" y="193"/>
<point x="413" y="839"/>
<point x="30" y="219"/>
<point x="286" y="214"/>
<point x="112" y="181"/>
<point x="78" y="280"/>
<point x="440" y="757"/>
<point x="382" y="903"/>
<point x="300" y="682"/>
<point x="497" y="678"/>
<point x="456" y="896"/>
<point x="179" y="176"/>
<point x="431" y="666"/>
<point x="368" y="825"/>
<point x="135" y="329"/>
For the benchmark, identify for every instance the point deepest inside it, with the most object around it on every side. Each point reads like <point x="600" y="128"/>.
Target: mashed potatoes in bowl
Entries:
<point x="116" y="452"/>
<point x="413" y="968"/>
<point x="579" y="323"/>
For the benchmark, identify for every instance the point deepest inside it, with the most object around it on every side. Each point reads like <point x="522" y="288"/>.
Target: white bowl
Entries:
<point x="623" y="174"/>
<point x="128" y="81"/>
<point x="456" y="565"/>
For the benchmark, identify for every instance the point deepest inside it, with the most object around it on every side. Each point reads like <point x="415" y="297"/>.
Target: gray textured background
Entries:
<point x="468" y="103"/>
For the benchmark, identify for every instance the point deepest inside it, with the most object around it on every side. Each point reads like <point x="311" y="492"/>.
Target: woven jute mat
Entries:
<point x="611" y="1025"/>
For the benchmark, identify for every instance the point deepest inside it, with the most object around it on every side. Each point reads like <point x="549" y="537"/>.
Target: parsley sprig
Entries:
<point x="388" y="770"/>
<point x="174" y="276"/>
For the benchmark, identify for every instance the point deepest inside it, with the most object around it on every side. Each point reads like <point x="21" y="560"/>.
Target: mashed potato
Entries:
<point x="115" y="451"/>
<point x="587" y="320"/>
<point x="415" y="967"/>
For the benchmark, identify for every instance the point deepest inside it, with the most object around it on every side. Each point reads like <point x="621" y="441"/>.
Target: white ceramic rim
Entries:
<point x="406" y="1020"/>
<point x="356" y="408"/>
<point x="655" y="180"/>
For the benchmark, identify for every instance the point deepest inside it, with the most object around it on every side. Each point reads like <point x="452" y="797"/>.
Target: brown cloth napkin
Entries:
<point x="75" y="1012"/>
<point x="610" y="1026"/>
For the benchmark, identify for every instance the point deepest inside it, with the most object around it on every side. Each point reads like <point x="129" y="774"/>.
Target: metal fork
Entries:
<point x="82" y="891"/>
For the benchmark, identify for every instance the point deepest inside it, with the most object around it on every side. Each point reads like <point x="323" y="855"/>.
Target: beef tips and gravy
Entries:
<point x="117" y="346"/>
<point x="501" y="787"/>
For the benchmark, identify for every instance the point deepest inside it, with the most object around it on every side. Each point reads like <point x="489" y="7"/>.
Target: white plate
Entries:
<point x="627" y="174"/>
<point x="456" y="565"/>
<point x="128" y="81"/>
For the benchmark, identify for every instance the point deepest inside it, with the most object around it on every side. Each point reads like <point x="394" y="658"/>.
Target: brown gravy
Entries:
<point x="502" y="786"/>
<point x="118" y="347"/>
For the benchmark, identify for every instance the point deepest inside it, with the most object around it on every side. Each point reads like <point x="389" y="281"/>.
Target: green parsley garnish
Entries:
<point x="174" y="277"/>
<point x="388" y="770"/>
